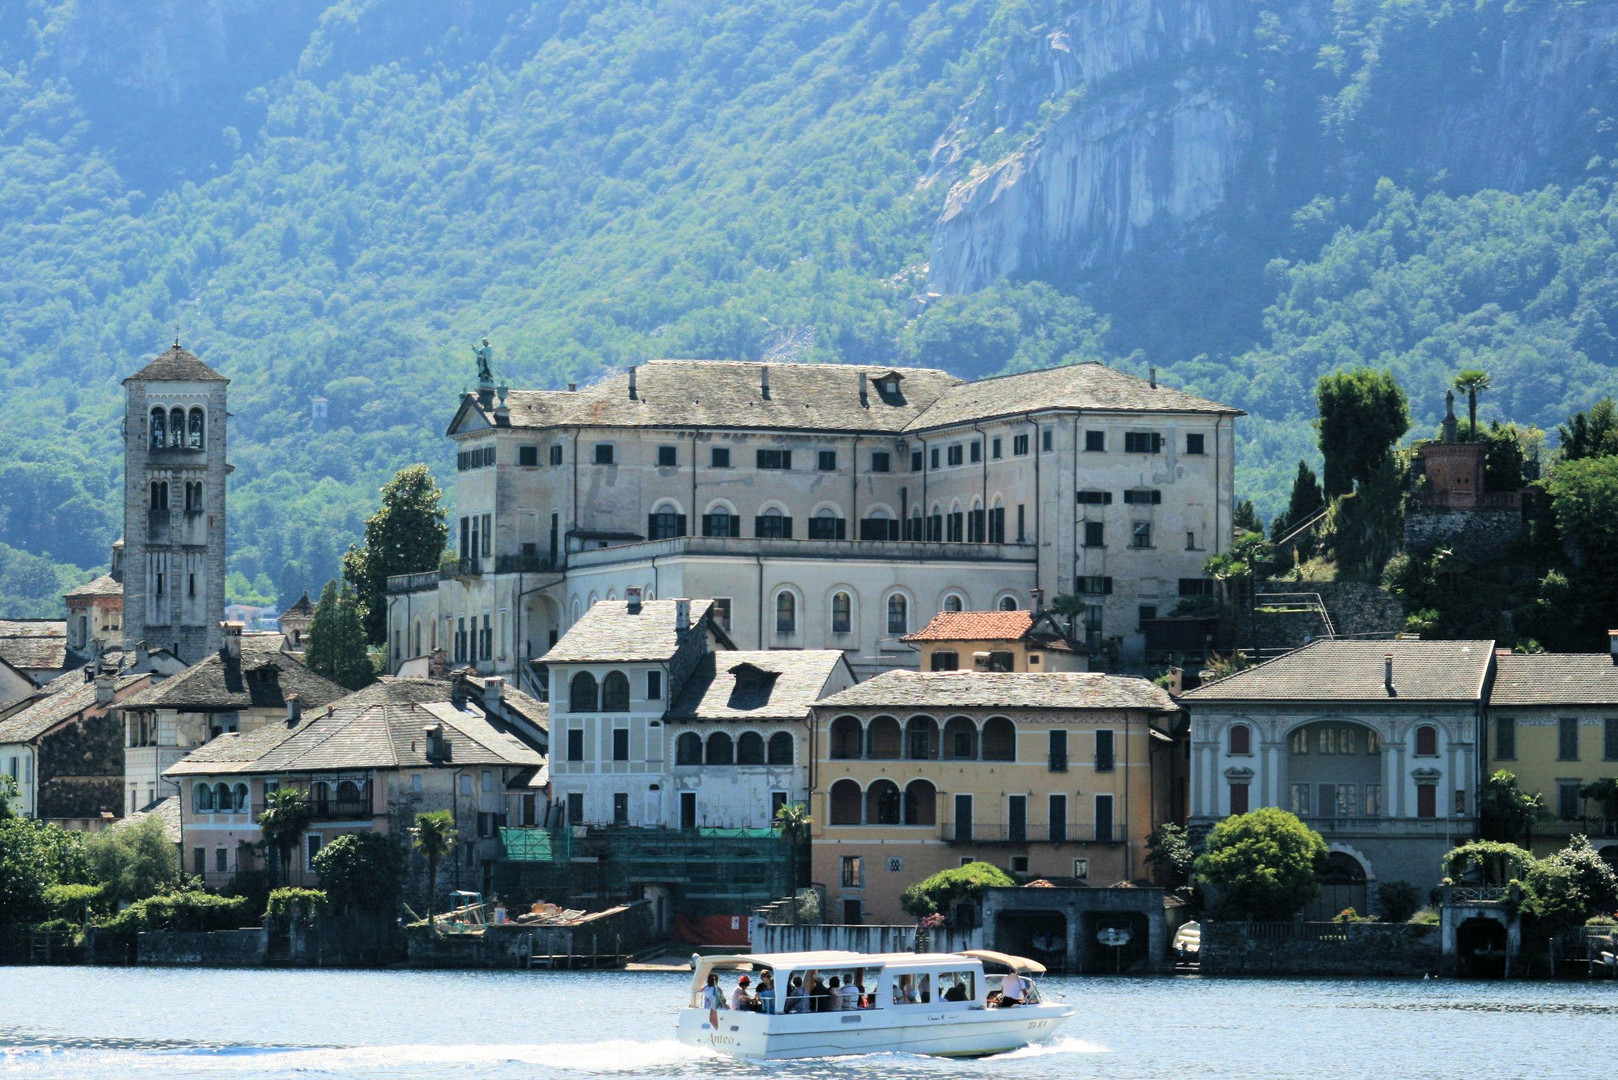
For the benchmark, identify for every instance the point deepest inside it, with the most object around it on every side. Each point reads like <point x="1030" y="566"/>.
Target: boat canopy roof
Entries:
<point x="832" y="959"/>
<point x="1015" y="963"/>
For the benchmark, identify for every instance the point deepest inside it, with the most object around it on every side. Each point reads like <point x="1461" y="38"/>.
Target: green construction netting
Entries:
<point x="534" y="845"/>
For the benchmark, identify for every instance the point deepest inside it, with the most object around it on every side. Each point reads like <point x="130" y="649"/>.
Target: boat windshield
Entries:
<point x="841" y="989"/>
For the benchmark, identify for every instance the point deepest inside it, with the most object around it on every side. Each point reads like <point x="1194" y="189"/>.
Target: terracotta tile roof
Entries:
<point x="176" y="365"/>
<point x="1001" y="690"/>
<point x="1554" y="679"/>
<point x="44" y="714"/>
<point x="1353" y="671"/>
<point x="975" y="626"/>
<point x="260" y="679"/>
<point x="105" y="585"/>
<point x="609" y="634"/>
<point x="751" y="685"/>
<point x="34" y="644"/>
<point x="1091" y="387"/>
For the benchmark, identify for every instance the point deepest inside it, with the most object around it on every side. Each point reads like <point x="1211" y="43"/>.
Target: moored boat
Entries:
<point x="919" y="1003"/>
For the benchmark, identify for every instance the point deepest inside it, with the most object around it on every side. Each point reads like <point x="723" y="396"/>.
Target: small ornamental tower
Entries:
<point x="174" y="505"/>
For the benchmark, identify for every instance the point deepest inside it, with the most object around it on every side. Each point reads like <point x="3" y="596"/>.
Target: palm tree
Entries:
<point x="433" y="836"/>
<point x="793" y="820"/>
<point x="1474" y="382"/>
<point x="284" y="820"/>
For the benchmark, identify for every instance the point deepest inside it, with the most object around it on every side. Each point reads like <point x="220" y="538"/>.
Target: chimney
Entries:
<point x="1387" y="673"/>
<point x="457" y="691"/>
<point x="1152" y="376"/>
<point x="143" y="655"/>
<point x="493" y="688"/>
<point x="233" y="639"/>
<point x="632" y="599"/>
<point x="764" y="381"/>
<point x="294" y="709"/>
<point x="1037" y="599"/>
<point x="572" y="387"/>
<point x="502" y="413"/>
<point x="433" y="741"/>
<point x="865" y="399"/>
<point x="106" y="685"/>
<point x="632" y="394"/>
<point x="682" y="616"/>
<point x="1612" y="645"/>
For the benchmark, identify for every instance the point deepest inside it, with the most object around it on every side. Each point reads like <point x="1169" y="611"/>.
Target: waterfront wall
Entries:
<point x="217" y="948"/>
<point x="1302" y="948"/>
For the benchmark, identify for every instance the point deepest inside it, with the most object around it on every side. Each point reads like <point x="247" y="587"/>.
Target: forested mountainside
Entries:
<point x="337" y="199"/>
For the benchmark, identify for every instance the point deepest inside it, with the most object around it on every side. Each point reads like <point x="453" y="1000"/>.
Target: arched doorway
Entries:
<point x="1480" y="945"/>
<point x="1342" y="886"/>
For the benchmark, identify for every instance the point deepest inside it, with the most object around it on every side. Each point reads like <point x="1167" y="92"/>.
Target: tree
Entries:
<point x="1569" y="887"/>
<point x="1262" y="865"/>
<point x="364" y="869"/>
<point x="336" y="646"/>
<point x="1397" y="901"/>
<point x="1506" y="813"/>
<point x="1246" y="517"/>
<point x="134" y="860"/>
<point x="1070" y="607"/>
<point x="433" y="836"/>
<point x="1306" y="501"/>
<point x="1591" y="434"/>
<point x="941" y="893"/>
<point x="1238" y="569"/>
<point x="1363" y="413"/>
<point x="34" y="856"/>
<point x="1472" y="382"/>
<point x="794" y="822"/>
<point x="1171" y="855"/>
<point x="406" y="535"/>
<point x="1584" y="499"/>
<point x="285" y="819"/>
<point x="8" y="792"/>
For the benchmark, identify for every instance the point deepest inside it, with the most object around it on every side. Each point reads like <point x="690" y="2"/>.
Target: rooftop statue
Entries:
<point x="484" y="355"/>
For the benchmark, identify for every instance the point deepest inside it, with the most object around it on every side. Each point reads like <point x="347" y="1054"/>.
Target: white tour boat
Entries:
<point x="917" y="1003"/>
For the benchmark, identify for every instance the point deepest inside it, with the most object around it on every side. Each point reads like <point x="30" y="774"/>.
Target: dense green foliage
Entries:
<point x="938" y="894"/>
<point x="1506" y="813"/>
<point x="34" y="856"/>
<point x="406" y="535"/>
<point x="1571" y="885"/>
<point x="192" y="911"/>
<point x="135" y="860"/>
<point x="1397" y="901"/>
<point x="285" y="818"/>
<point x="336" y="646"/>
<point x="1487" y="862"/>
<point x="1264" y="864"/>
<point x="1363" y="413"/>
<point x="364" y="869"/>
<point x="290" y="904"/>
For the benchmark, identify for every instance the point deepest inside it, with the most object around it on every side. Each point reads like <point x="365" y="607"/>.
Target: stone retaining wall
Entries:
<point x="1479" y="533"/>
<point x="1357" y="608"/>
<point x="217" y="948"/>
<point x="1239" y="948"/>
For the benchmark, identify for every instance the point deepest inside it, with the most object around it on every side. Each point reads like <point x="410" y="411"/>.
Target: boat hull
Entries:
<point x="943" y="1032"/>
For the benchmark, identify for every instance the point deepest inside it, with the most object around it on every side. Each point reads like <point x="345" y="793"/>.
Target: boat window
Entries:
<point x="913" y="990"/>
<point x="957" y="986"/>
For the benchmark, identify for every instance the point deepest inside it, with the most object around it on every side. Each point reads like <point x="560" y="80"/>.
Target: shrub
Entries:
<point x="1489" y="862"/>
<point x="940" y="893"/>
<point x="1570" y="886"/>
<point x="1425" y="917"/>
<point x="1264" y="865"/>
<point x="365" y="869"/>
<point x="289" y="904"/>
<point x="180" y="911"/>
<point x="1397" y="901"/>
<point x="72" y="901"/>
<point x="134" y="861"/>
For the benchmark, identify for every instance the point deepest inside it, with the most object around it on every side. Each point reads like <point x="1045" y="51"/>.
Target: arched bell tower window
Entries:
<point x="160" y="428"/>
<point x="176" y="428"/>
<point x="193" y="433"/>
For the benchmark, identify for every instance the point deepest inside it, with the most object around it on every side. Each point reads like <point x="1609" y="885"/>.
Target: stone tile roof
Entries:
<point x="166" y="810"/>
<point x="105" y="585"/>
<point x="1092" y="387"/>
<point x="302" y="607"/>
<point x="1554" y="679"/>
<point x="975" y="626"/>
<point x="393" y="690"/>
<point x="260" y="679"/>
<point x="34" y="644"/>
<point x="44" y="714"/>
<point x="609" y="634"/>
<point x="728" y="394"/>
<point x="364" y="735"/>
<point x="176" y="365"/>
<point x="1353" y="671"/>
<point x="943" y="690"/>
<point x="752" y="685"/>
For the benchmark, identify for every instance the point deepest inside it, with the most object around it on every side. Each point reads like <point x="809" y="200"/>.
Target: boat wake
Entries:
<point x="1064" y="1045"/>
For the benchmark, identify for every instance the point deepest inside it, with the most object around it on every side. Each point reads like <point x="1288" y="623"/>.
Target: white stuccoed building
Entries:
<point x="821" y="506"/>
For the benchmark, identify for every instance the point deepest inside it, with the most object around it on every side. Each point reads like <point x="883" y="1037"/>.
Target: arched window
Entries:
<point x="883" y="739"/>
<point x="921" y="738"/>
<point x="1008" y="603"/>
<point x="615" y="692"/>
<point x="952" y="602"/>
<point x="921" y="803"/>
<point x="781" y="748"/>
<point x="786" y="613"/>
<point x="160" y="495"/>
<point x="581" y="695"/>
<point x="202" y="799"/>
<point x="883" y="805"/>
<point x="845" y="738"/>
<point x="721" y="750"/>
<point x="221" y="798"/>
<point x="960" y="739"/>
<point x="348" y="797"/>
<point x="688" y="749"/>
<point x="898" y="614"/>
<point x="750" y="748"/>
<point x="415" y="638"/>
<point x="842" y="613"/>
<point x="320" y="798"/>
<point x="193" y="433"/>
<point x="1241" y="739"/>
<point x="160" y="428"/>
<point x="999" y="739"/>
<point x="176" y="428"/>
<point x="1426" y="741"/>
<point x="240" y="800"/>
<point x="845" y="803"/>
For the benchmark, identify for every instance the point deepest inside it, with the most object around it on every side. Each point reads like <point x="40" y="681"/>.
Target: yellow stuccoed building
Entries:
<point x="1060" y="776"/>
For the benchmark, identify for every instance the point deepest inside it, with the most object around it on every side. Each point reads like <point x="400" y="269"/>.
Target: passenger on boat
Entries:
<point x="713" y="999"/>
<point x="851" y="994"/>
<point x="766" y="992"/>
<point x="865" y="1000"/>
<point x="957" y="991"/>
<point x="819" y="996"/>
<point x="797" y="997"/>
<point x="1013" y="988"/>
<point x="834" y="995"/>
<point x="740" y="1000"/>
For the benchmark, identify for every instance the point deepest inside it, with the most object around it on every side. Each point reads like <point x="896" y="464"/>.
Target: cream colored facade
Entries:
<point x="851" y="519"/>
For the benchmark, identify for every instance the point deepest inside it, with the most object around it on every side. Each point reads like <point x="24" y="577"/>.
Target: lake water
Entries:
<point x="94" y="1023"/>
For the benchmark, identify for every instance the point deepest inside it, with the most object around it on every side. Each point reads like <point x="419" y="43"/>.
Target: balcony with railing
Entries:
<point x="974" y="833"/>
<point x="749" y="546"/>
<point x="474" y="566"/>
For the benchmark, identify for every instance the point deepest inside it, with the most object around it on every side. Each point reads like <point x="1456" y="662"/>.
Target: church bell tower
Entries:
<point x="174" y="505"/>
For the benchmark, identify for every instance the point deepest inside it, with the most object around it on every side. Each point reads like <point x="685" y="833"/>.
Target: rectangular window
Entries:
<point x="620" y="808"/>
<point x="1426" y="800"/>
<point x="1104" y="759"/>
<point x="575" y="744"/>
<point x="963" y="817"/>
<point x="955" y="454"/>
<point x="1194" y="444"/>
<point x="721" y="613"/>
<point x="853" y="871"/>
<point x="1095" y="442"/>
<point x="665" y="525"/>
<point x="1140" y="534"/>
<point x="1505" y="738"/>
<point x="932" y="458"/>
<point x="1142" y="442"/>
<point x="311" y="849"/>
<point x="1300" y="800"/>
<point x="1194" y="586"/>
<point x="1103" y="819"/>
<point x="527" y="455"/>
<point x="881" y="461"/>
<point x="1019" y="446"/>
<point x="994" y="448"/>
<point x="688" y="809"/>
<point x="1057" y="810"/>
<point x="1047" y="439"/>
<point x="1094" y="534"/>
<point x="975" y="451"/>
<point x="1095" y="586"/>
<point x="1142" y="497"/>
<point x="1058" y="751"/>
<point x="1017" y="818"/>
<point x="1145" y="614"/>
<point x="556" y="454"/>
<point x="603" y="453"/>
<point x="667" y="457"/>
<point x="1567" y="799"/>
<point x="945" y="660"/>
<point x="828" y="528"/>
<point x="199" y="861"/>
<point x="575" y="808"/>
<point x="775" y="459"/>
<point x="915" y="461"/>
<point x="221" y="859"/>
<point x="997" y="525"/>
<point x="1022" y="522"/>
<point x="719" y="457"/>
<point x="620" y="744"/>
<point x="1238" y="799"/>
<point x="1373" y="800"/>
<point x="654" y="686"/>
<point x="772" y="527"/>
<point x="1097" y="498"/>
<point x="1609" y="739"/>
<point x="826" y="461"/>
<point x="721" y="524"/>
<point x="1567" y="739"/>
